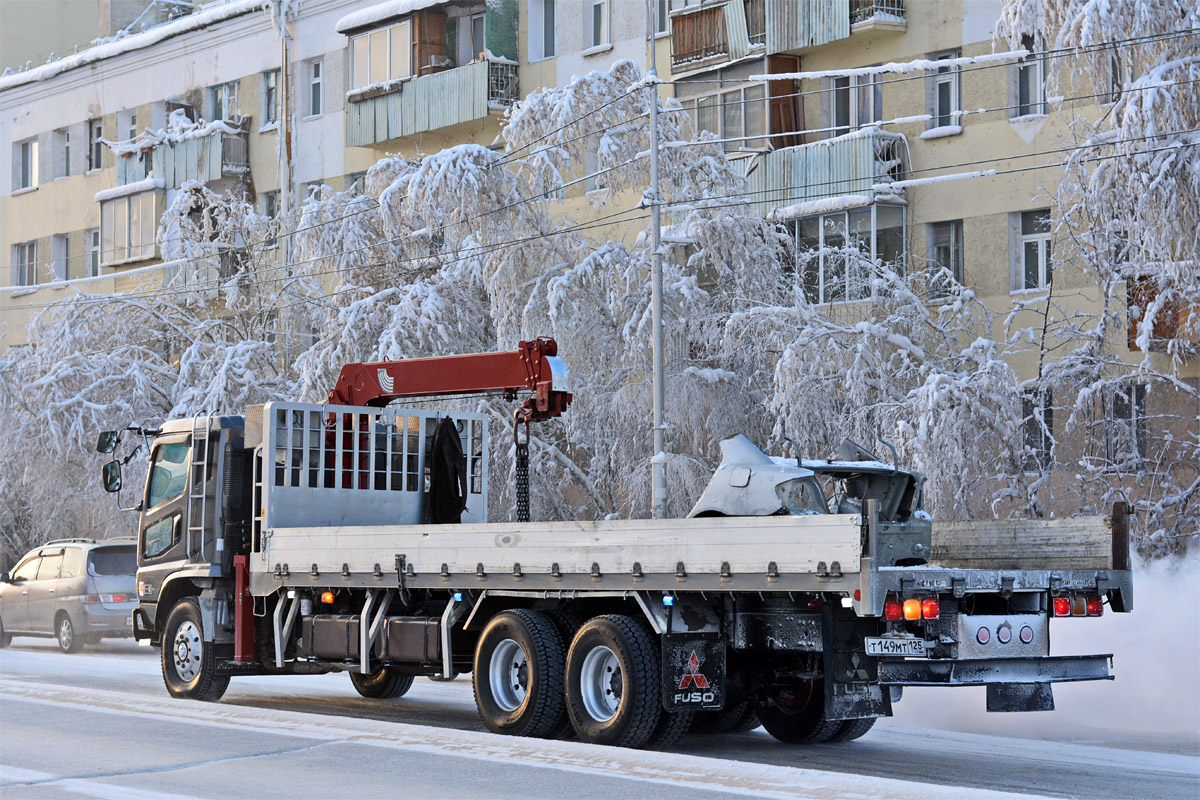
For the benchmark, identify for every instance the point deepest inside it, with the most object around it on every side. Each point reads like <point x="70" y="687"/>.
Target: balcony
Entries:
<point x="218" y="150"/>
<point x="711" y="34"/>
<point x="1177" y="320"/>
<point x="431" y="102"/>
<point x="792" y="181"/>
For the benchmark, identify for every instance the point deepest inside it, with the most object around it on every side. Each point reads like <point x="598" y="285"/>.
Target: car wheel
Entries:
<point x="518" y="675"/>
<point x="613" y="693"/>
<point x="68" y="640"/>
<point x="382" y="684"/>
<point x="189" y="664"/>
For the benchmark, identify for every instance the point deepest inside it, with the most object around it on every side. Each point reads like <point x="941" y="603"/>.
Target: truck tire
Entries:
<point x="518" y="675"/>
<point x="852" y="729"/>
<point x="736" y="718"/>
<point x="613" y="682"/>
<point x="671" y="727"/>
<point x="69" y="641"/>
<point x="796" y="715"/>
<point x="382" y="684"/>
<point x="189" y="664"/>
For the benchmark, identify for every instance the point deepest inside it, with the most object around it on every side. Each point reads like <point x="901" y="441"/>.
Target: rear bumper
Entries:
<point x="115" y="621"/>
<point x="990" y="671"/>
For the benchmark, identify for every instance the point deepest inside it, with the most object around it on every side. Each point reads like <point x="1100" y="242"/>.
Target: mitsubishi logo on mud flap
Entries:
<point x="693" y="675"/>
<point x="386" y="382"/>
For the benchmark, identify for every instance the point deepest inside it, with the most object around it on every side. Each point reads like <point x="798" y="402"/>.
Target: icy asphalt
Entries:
<point x="99" y="724"/>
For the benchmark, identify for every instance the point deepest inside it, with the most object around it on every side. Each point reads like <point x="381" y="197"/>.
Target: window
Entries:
<point x="662" y="18"/>
<point x="1037" y="430"/>
<point x="95" y="145"/>
<point x="72" y="564"/>
<point x="270" y="210"/>
<point x="48" y="569"/>
<point x="127" y="228"/>
<point x="316" y="99"/>
<point x="541" y="29"/>
<point x="1031" y="79"/>
<point x="356" y="182"/>
<point x="836" y="253"/>
<point x="27" y="569"/>
<point x="120" y="560"/>
<point x="24" y="264"/>
<point x="270" y="95"/>
<point x="159" y="537"/>
<point x="478" y="40"/>
<point x="738" y="115"/>
<point x="380" y="55"/>
<point x="597" y="24"/>
<point x="26" y="176"/>
<point x="91" y="239"/>
<point x="60" y="254"/>
<point x="945" y="256"/>
<point x="947" y="92"/>
<point x="168" y="475"/>
<point x="1035" y="248"/>
<point x="223" y="101"/>
<point x="857" y="101"/>
<point x="1116" y="77"/>
<point x="1125" y="422"/>
<point x="62" y="152"/>
<point x="132" y="125"/>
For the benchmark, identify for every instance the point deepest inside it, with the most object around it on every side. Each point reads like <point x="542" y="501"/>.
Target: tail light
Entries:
<point x="1062" y="606"/>
<point x="930" y="608"/>
<point x="912" y="608"/>
<point x="91" y="599"/>
<point x="892" y="610"/>
<point x="1095" y="606"/>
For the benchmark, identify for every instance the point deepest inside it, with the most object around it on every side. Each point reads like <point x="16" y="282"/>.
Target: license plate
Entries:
<point x="885" y="646"/>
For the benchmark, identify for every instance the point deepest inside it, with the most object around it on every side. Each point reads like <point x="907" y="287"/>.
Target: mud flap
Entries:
<point x="693" y="671"/>
<point x="1020" y="697"/>
<point x="852" y="688"/>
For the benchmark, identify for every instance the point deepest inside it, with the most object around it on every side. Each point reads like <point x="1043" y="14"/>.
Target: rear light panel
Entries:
<point x="92" y="599"/>
<point x="1078" y="606"/>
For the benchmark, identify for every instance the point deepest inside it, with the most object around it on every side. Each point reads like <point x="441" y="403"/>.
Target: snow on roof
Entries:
<point x="143" y="185"/>
<point x="823" y="206"/>
<point x="381" y="12"/>
<point x="151" y="36"/>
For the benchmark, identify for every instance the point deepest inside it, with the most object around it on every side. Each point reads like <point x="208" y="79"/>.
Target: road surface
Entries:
<point x="100" y="724"/>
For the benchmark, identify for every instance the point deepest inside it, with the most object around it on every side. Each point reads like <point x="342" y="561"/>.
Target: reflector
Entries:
<point x="912" y="608"/>
<point x="892" y="610"/>
<point x="1026" y="634"/>
<point x="983" y="635"/>
<point x="1004" y="634"/>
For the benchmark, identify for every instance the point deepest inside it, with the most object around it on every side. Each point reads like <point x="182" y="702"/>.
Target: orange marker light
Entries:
<point x="912" y="608"/>
<point x="327" y="598"/>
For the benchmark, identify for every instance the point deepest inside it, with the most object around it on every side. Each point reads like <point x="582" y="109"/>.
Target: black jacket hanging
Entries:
<point x="447" y="475"/>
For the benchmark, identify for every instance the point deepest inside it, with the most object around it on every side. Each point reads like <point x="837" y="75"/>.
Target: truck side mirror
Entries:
<point x="107" y="442"/>
<point x="112" y="476"/>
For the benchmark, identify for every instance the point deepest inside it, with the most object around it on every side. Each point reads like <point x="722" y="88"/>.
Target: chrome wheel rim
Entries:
<point x="186" y="651"/>
<point x="508" y="675"/>
<point x="66" y="634"/>
<point x="601" y="684"/>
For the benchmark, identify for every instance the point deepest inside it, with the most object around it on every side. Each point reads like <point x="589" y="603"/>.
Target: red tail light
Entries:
<point x="119" y="598"/>
<point x="930" y="608"/>
<point x="1095" y="606"/>
<point x="1062" y="606"/>
<point x="892" y="610"/>
<point x="91" y="599"/>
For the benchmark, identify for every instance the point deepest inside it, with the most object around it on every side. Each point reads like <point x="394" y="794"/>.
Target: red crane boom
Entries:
<point x="534" y="366"/>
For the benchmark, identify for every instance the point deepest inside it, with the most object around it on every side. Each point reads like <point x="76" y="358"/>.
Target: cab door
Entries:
<point x="162" y="547"/>
<point x="42" y="602"/>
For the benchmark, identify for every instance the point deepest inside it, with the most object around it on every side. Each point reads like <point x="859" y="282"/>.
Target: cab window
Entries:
<point x="157" y="539"/>
<point x="27" y="569"/>
<point x="168" y="474"/>
<point x="48" y="571"/>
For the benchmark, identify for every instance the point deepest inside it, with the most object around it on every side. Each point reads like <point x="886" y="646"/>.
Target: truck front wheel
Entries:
<point x="382" y="684"/>
<point x="613" y="693"/>
<point x="189" y="664"/>
<point x="518" y="675"/>
<point x="796" y="714"/>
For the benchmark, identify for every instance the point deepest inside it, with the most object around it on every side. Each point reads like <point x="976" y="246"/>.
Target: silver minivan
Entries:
<point x="76" y="590"/>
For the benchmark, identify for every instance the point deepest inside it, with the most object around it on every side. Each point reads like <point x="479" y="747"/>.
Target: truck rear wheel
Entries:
<point x="736" y="718"/>
<point x="613" y="694"/>
<point x="382" y="684"/>
<point x="852" y="729"/>
<point x="518" y="675"/>
<point x="189" y="664"/>
<point x="796" y="714"/>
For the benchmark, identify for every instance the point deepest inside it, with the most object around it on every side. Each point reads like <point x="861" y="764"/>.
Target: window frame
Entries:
<point x="60" y="256"/>
<point x="385" y="33"/>
<point x="1044" y="241"/>
<point x="1115" y="86"/>
<point x="851" y="96"/>
<point x="91" y="249"/>
<point x="803" y="270"/>
<point x="1035" y="65"/>
<point x="718" y="97"/>
<point x="316" y="88"/>
<point x="1133" y="424"/>
<point x="598" y="38"/>
<point x="61" y="141"/>
<point x="145" y="249"/>
<point x="24" y="263"/>
<point x="951" y="77"/>
<point x="543" y="36"/>
<point x="95" y="145"/>
<point x="270" y="98"/>
<point x="953" y="231"/>
<point x="26" y="173"/>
